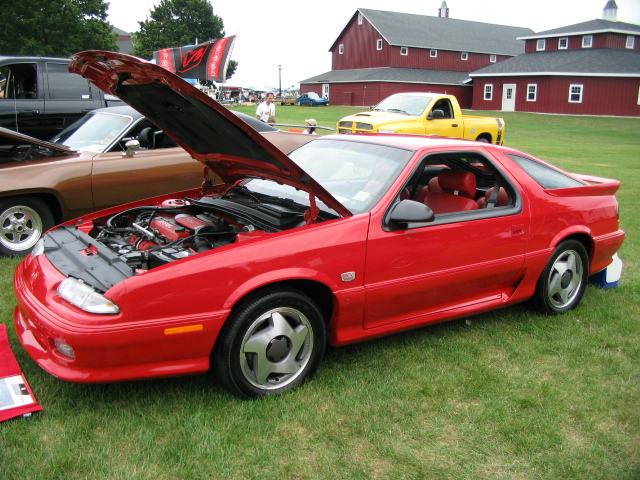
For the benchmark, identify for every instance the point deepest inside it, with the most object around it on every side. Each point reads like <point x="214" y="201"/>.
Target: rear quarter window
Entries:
<point x="548" y="178"/>
<point x="64" y="85"/>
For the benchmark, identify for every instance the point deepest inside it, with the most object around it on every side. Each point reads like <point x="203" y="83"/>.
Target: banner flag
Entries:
<point x="205" y="61"/>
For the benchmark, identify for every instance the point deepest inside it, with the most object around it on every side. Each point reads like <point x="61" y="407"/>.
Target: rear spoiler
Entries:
<point x="598" y="186"/>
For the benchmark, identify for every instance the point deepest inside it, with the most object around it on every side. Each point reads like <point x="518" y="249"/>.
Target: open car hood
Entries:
<point x="19" y="138"/>
<point x="207" y="130"/>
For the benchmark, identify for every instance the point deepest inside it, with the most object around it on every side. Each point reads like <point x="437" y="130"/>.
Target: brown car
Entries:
<point x="109" y="157"/>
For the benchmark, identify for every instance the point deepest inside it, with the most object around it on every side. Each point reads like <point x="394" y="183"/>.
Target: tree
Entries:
<point x="174" y="23"/>
<point x="54" y="27"/>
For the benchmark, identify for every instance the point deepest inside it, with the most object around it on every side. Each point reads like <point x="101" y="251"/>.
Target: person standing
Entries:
<point x="311" y="126"/>
<point x="266" y="111"/>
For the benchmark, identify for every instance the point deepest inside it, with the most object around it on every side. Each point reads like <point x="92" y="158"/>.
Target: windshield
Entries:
<point x="356" y="174"/>
<point x="413" y="105"/>
<point x="313" y="95"/>
<point x="93" y="132"/>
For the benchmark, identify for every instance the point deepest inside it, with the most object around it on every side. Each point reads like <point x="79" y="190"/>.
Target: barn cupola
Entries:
<point x="610" y="11"/>
<point x="443" y="11"/>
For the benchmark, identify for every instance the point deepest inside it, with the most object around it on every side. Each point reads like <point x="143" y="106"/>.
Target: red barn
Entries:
<point x="379" y="53"/>
<point x="590" y="68"/>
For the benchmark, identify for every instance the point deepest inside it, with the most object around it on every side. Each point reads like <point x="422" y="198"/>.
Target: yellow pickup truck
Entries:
<point x="424" y="114"/>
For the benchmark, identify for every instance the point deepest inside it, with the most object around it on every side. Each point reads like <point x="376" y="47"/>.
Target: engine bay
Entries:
<point x="142" y="238"/>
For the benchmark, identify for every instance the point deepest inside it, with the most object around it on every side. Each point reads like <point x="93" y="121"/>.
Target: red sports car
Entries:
<point x="350" y="237"/>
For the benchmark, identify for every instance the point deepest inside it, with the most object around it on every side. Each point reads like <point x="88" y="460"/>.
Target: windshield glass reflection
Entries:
<point x="356" y="174"/>
<point x="94" y="132"/>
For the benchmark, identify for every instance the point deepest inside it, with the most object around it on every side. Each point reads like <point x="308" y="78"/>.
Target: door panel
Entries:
<point x="424" y="270"/>
<point x="118" y="179"/>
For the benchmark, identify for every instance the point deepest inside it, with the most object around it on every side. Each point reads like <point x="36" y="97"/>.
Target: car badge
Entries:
<point x="348" y="276"/>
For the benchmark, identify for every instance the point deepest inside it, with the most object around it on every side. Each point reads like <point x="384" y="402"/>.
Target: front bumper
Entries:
<point x="104" y="351"/>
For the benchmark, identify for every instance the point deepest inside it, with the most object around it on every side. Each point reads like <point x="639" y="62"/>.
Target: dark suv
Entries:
<point x="39" y="97"/>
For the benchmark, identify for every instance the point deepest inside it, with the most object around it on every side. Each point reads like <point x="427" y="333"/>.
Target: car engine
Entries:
<point x="148" y="237"/>
<point x="139" y="239"/>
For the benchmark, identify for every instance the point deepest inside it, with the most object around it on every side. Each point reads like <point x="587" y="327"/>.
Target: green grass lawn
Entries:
<point x="509" y="394"/>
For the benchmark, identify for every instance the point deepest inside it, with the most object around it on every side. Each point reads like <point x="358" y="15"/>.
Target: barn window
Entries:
<point x="359" y="19"/>
<point x="575" y="93"/>
<point x="379" y="44"/>
<point x="587" y="41"/>
<point x="488" y="91"/>
<point x="404" y="50"/>
<point x="464" y="56"/>
<point x="433" y="53"/>
<point x="631" y="41"/>
<point x="493" y="58"/>
<point x="541" y="44"/>
<point x="532" y="92"/>
<point x="563" y="43"/>
<point x="341" y="49"/>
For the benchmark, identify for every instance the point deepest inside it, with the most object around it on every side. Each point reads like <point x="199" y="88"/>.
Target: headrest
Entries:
<point x="458" y="182"/>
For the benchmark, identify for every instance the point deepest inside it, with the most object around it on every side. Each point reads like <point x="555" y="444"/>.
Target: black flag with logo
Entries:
<point x="205" y="61"/>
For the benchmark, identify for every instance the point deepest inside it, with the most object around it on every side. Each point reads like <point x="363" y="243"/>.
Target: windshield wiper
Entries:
<point x="245" y="191"/>
<point x="396" y="110"/>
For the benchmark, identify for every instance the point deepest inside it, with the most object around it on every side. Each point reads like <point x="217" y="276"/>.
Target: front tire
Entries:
<point x="563" y="280"/>
<point x="273" y="342"/>
<point x="23" y="220"/>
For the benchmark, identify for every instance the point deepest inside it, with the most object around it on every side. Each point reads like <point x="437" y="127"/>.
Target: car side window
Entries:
<point x="64" y="85"/>
<point x="445" y="105"/>
<point x="19" y="81"/>
<point x="460" y="186"/>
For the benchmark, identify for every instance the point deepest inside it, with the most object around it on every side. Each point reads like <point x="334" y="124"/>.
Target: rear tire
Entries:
<point x="23" y="220"/>
<point x="563" y="280"/>
<point x="273" y="342"/>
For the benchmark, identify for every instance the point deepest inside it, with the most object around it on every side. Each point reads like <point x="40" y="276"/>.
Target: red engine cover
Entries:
<point x="167" y="228"/>
<point x="181" y="226"/>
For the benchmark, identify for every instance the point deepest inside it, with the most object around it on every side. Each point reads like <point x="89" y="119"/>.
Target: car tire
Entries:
<point x="312" y="104"/>
<point x="563" y="280"/>
<point x="272" y="342"/>
<point x="23" y="220"/>
<point x="298" y="104"/>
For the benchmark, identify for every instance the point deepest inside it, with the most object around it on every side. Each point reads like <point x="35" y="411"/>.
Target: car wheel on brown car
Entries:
<point x="23" y="220"/>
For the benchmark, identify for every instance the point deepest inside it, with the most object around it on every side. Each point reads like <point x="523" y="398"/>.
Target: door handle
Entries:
<point x="517" y="230"/>
<point x="454" y="124"/>
<point x="30" y="112"/>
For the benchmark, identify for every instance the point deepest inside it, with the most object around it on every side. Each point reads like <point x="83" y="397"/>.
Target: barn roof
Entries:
<point x="610" y="62"/>
<point x="588" y="27"/>
<point x="442" y="33"/>
<point x="391" y="74"/>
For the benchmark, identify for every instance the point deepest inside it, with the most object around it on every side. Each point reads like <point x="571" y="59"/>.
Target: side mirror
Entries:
<point x="132" y="146"/>
<point x="435" y="115"/>
<point x="409" y="211"/>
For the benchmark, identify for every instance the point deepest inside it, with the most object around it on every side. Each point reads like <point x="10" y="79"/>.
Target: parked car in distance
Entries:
<point x="287" y="100"/>
<point x="424" y="114"/>
<point x="311" y="99"/>
<point x="347" y="239"/>
<point x="87" y="168"/>
<point x="39" y="97"/>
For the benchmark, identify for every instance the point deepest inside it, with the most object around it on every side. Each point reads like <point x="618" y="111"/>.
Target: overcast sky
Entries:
<point x="298" y="35"/>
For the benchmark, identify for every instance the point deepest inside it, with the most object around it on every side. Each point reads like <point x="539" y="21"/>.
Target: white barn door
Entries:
<point x="509" y="97"/>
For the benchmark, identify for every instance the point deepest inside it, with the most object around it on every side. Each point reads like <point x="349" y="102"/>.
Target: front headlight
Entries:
<point x="85" y="297"/>
<point x="387" y="131"/>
